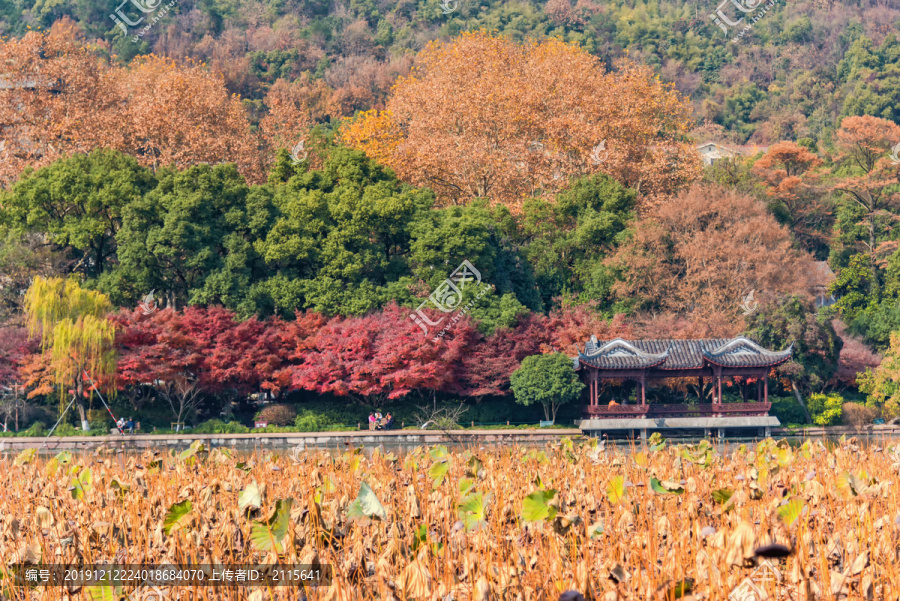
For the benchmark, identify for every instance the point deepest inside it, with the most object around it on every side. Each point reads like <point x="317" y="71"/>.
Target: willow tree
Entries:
<point x="76" y="336"/>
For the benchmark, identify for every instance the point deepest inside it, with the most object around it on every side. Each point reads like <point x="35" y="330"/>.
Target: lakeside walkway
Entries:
<point x="391" y="438"/>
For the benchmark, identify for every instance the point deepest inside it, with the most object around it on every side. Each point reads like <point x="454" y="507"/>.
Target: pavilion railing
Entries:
<point x="744" y="408"/>
<point x="678" y="410"/>
<point x="616" y="410"/>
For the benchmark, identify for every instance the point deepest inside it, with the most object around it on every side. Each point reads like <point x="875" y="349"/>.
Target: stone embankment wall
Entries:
<point x="311" y="440"/>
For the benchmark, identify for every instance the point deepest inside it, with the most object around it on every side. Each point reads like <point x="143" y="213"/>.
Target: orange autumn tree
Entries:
<point x="58" y="98"/>
<point x="787" y="171"/>
<point x="699" y="255"/>
<point x="869" y="178"/>
<point x="53" y="99"/>
<point x="292" y="108"/>
<point x="181" y="114"/>
<point x="485" y="117"/>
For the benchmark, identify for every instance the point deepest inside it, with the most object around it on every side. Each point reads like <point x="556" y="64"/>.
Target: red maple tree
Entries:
<point x="383" y="355"/>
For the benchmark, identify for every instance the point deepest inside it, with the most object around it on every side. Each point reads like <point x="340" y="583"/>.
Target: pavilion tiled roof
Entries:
<point x="679" y="354"/>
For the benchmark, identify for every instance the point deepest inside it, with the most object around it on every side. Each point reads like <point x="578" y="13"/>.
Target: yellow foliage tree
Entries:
<point x="75" y="334"/>
<point x="485" y="117"/>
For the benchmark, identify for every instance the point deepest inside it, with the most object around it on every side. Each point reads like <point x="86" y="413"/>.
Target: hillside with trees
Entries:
<point x="793" y="75"/>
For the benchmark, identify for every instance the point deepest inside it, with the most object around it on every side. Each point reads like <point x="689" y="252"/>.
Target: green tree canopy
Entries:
<point x="567" y="240"/>
<point x="883" y="384"/>
<point x="78" y="202"/>
<point x="546" y="379"/>
<point x="189" y="239"/>
<point x="876" y="72"/>
<point x="853" y="287"/>
<point x="794" y="321"/>
<point x="337" y="237"/>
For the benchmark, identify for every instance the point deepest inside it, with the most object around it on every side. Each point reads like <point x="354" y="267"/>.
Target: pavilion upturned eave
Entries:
<point x="678" y="355"/>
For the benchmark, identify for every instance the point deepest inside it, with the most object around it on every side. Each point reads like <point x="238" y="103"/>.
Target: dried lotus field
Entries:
<point x="569" y="520"/>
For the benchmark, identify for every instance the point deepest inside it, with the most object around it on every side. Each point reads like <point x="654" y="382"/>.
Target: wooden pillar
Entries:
<point x="700" y="389"/>
<point x="719" y="385"/>
<point x="766" y="388"/>
<point x="717" y="394"/>
<point x="758" y="390"/>
<point x="592" y="382"/>
<point x="643" y="388"/>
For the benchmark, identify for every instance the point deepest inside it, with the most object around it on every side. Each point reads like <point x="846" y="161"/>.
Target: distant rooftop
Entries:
<point x="710" y="151"/>
<point x="822" y="275"/>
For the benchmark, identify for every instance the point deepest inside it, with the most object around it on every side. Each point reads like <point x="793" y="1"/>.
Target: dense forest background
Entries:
<point x="801" y="67"/>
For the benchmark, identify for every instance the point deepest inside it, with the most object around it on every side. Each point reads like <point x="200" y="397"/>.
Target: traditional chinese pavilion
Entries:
<point x="706" y="360"/>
